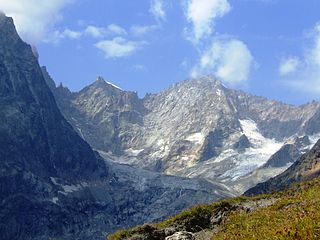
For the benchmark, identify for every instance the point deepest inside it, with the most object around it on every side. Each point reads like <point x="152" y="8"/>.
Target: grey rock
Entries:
<point x="287" y="154"/>
<point x="183" y="235"/>
<point x="242" y="143"/>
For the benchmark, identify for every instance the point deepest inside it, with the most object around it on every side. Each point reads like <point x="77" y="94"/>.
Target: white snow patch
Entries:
<point x="196" y="138"/>
<point x="251" y="130"/>
<point x="80" y="131"/>
<point x="218" y="92"/>
<point x="134" y="152"/>
<point x="113" y="85"/>
<point x="226" y="154"/>
<point x="255" y="156"/>
<point x="69" y="188"/>
<point x="54" y="181"/>
<point x="74" y="188"/>
<point x="55" y="200"/>
<point x="160" y="142"/>
<point x="314" y="138"/>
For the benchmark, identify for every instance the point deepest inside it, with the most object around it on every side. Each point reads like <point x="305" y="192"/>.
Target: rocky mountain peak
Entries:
<point x="204" y="83"/>
<point x="100" y="82"/>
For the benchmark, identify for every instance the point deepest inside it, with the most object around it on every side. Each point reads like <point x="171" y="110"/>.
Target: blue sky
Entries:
<point x="266" y="47"/>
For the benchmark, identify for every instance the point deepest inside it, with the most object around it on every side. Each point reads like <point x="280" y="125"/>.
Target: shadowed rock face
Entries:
<point x="288" y="153"/>
<point x="34" y="135"/>
<point x="242" y="143"/>
<point x="36" y="144"/>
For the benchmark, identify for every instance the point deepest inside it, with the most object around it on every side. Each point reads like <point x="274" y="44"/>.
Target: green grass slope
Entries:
<point x="291" y="214"/>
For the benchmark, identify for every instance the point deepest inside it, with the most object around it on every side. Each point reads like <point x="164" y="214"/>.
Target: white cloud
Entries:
<point x="56" y="36"/>
<point x="33" y="18"/>
<point x="313" y="55"/>
<point x="94" y="31"/>
<point x="118" y="47"/>
<point x="157" y="9"/>
<point x="99" y="32"/>
<point x="202" y="15"/>
<point x="289" y="65"/>
<point x="72" y="34"/>
<point x="307" y="79"/>
<point x="139" y="68"/>
<point x="139" y="30"/>
<point x="116" y="29"/>
<point x="229" y="59"/>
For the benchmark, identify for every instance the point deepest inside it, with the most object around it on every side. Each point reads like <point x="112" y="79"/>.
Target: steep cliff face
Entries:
<point x="37" y="145"/>
<point x="53" y="186"/>
<point x="31" y="124"/>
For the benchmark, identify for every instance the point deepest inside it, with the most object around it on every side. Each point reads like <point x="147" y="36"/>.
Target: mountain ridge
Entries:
<point x="192" y="125"/>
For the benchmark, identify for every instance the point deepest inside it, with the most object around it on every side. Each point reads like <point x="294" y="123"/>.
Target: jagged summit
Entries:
<point x="101" y="82"/>
<point x="205" y="82"/>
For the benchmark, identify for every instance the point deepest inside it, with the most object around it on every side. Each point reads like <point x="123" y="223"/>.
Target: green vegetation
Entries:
<point x="294" y="214"/>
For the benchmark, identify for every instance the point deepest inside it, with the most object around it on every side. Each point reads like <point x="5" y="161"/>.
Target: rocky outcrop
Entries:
<point x="287" y="154"/>
<point x="197" y="223"/>
<point x="242" y="143"/>
<point x="181" y="236"/>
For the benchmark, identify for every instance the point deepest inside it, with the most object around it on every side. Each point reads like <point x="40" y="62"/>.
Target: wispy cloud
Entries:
<point x="228" y="59"/>
<point x="157" y="9"/>
<point x="307" y="72"/>
<point x="116" y="29"/>
<point x="288" y="65"/>
<point x="139" y="68"/>
<point x="34" y="19"/>
<point x="140" y="30"/>
<point x="118" y="47"/>
<point x="202" y="15"/>
<point x="94" y="31"/>
<point x="56" y="36"/>
<point x="90" y="30"/>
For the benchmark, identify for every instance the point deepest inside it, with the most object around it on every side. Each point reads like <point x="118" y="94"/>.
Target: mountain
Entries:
<point x="53" y="185"/>
<point x="306" y="168"/>
<point x="196" y="128"/>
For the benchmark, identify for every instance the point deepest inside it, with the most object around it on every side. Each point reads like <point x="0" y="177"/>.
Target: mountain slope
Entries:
<point x="292" y="214"/>
<point x="307" y="167"/>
